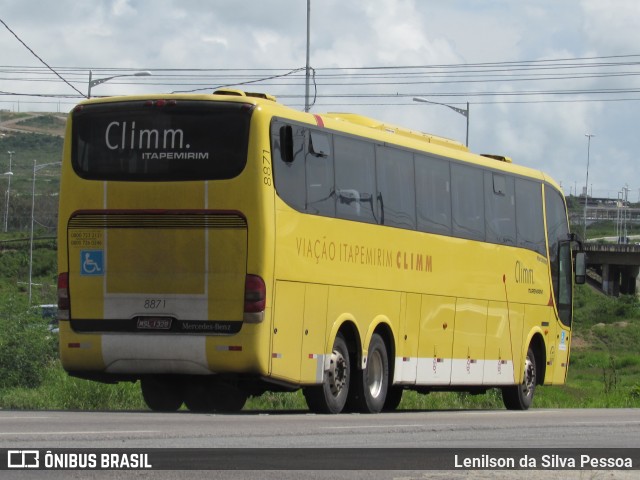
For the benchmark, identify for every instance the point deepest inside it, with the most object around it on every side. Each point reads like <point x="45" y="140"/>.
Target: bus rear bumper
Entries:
<point x="133" y="355"/>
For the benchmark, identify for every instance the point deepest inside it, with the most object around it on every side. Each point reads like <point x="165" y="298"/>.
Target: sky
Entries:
<point x="578" y="61"/>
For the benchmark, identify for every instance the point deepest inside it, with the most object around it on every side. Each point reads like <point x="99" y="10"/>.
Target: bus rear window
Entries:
<point x="160" y="141"/>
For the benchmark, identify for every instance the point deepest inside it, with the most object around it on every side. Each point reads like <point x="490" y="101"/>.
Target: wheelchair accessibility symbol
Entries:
<point x="91" y="262"/>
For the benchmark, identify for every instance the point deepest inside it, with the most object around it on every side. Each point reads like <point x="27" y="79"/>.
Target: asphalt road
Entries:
<point x="593" y="428"/>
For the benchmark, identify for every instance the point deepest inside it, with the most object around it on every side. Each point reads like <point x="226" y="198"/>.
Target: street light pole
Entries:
<point x="33" y="204"/>
<point x="9" y="174"/>
<point x="586" y="186"/>
<point x="465" y="113"/>
<point x="466" y="143"/>
<point x="307" y="76"/>
<point x="93" y="83"/>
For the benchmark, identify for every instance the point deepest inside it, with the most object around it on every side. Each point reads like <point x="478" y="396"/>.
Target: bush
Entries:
<point x="591" y="309"/>
<point x="27" y="347"/>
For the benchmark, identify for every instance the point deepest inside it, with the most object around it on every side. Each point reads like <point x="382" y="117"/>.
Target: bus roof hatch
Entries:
<point x="240" y="93"/>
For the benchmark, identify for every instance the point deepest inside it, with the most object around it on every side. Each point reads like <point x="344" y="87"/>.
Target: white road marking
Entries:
<point x="87" y="432"/>
<point x="368" y="426"/>
<point x="23" y="418"/>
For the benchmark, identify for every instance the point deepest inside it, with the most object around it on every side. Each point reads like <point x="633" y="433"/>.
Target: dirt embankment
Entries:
<point x="43" y="123"/>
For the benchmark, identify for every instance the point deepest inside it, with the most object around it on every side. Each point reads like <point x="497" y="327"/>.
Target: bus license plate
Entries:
<point x="154" y="323"/>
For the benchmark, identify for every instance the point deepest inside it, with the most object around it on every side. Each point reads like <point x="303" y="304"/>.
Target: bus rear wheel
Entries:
<point x="331" y="396"/>
<point x="520" y="397"/>
<point x="208" y="395"/>
<point x="162" y="394"/>
<point x="394" y="397"/>
<point x="228" y="398"/>
<point x="371" y="383"/>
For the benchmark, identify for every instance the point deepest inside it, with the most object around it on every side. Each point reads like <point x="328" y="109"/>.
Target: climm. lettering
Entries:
<point x="523" y="274"/>
<point x="414" y="261"/>
<point x="128" y="138"/>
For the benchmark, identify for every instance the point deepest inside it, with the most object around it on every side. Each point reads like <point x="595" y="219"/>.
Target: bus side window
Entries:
<point x="320" y="186"/>
<point x="355" y="180"/>
<point x="467" y="193"/>
<point x="433" y="194"/>
<point x="529" y="221"/>
<point x="289" y="168"/>
<point x="396" y="192"/>
<point x="500" y="208"/>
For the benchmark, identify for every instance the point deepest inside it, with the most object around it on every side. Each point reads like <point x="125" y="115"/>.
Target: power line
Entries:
<point x="36" y="55"/>
<point x="339" y="82"/>
<point x="244" y="83"/>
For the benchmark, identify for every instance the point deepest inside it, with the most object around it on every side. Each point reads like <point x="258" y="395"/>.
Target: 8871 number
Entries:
<point x="154" y="303"/>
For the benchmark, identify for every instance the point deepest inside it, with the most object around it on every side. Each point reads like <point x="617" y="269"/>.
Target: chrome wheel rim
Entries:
<point x="337" y="373"/>
<point x="375" y="369"/>
<point x="529" y="382"/>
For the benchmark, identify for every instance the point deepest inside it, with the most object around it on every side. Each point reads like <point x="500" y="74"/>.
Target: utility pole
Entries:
<point x="586" y="186"/>
<point x="307" y="79"/>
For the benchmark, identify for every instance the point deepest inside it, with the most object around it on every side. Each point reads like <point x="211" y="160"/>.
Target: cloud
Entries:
<point x="122" y="8"/>
<point x="611" y="27"/>
<point x="231" y="34"/>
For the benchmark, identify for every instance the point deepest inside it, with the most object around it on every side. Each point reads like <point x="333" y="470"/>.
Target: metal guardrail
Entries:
<point x="611" y="248"/>
<point x="24" y="240"/>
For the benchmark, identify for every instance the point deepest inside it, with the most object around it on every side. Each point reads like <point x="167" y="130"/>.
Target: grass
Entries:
<point x="59" y="391"/>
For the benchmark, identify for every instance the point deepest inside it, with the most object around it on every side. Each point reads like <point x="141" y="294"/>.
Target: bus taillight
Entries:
<point x="63" y="296"/>
<point x="255" y="294"/>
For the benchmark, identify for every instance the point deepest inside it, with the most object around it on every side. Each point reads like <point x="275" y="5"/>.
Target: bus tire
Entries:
<point x="520" y="397"/>
<point x="393" y="399"/>
<point x="371" y="383"/>
<point x="162" y="395"/>
<point x="331" y="396"/>
<point x="227" y="398"/>
<point x="198" y="395"/>
<point x="209" y="395"/>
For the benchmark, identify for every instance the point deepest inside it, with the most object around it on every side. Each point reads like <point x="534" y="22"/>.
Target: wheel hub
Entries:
<point x="529" y="382"/>
<point x="337" y="373"/>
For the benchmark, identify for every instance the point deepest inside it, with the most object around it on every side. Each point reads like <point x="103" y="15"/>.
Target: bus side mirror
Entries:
<point x="581" y="268"/>
<point x="286" y="143"/>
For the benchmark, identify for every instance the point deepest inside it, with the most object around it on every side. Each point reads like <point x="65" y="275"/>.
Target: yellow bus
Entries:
<point x="215" y="247"/>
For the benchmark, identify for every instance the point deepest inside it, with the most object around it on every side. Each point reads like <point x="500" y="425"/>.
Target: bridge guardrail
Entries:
<point x="613" y="248"/>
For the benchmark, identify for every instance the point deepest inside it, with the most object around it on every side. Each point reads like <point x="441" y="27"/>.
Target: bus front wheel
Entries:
<point x="520" y="397"/>
<point x="331" y="396"/>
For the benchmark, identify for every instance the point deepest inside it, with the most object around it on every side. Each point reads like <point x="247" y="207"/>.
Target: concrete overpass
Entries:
<point x="602" y="212"/>
<point x="618" y="266"/>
